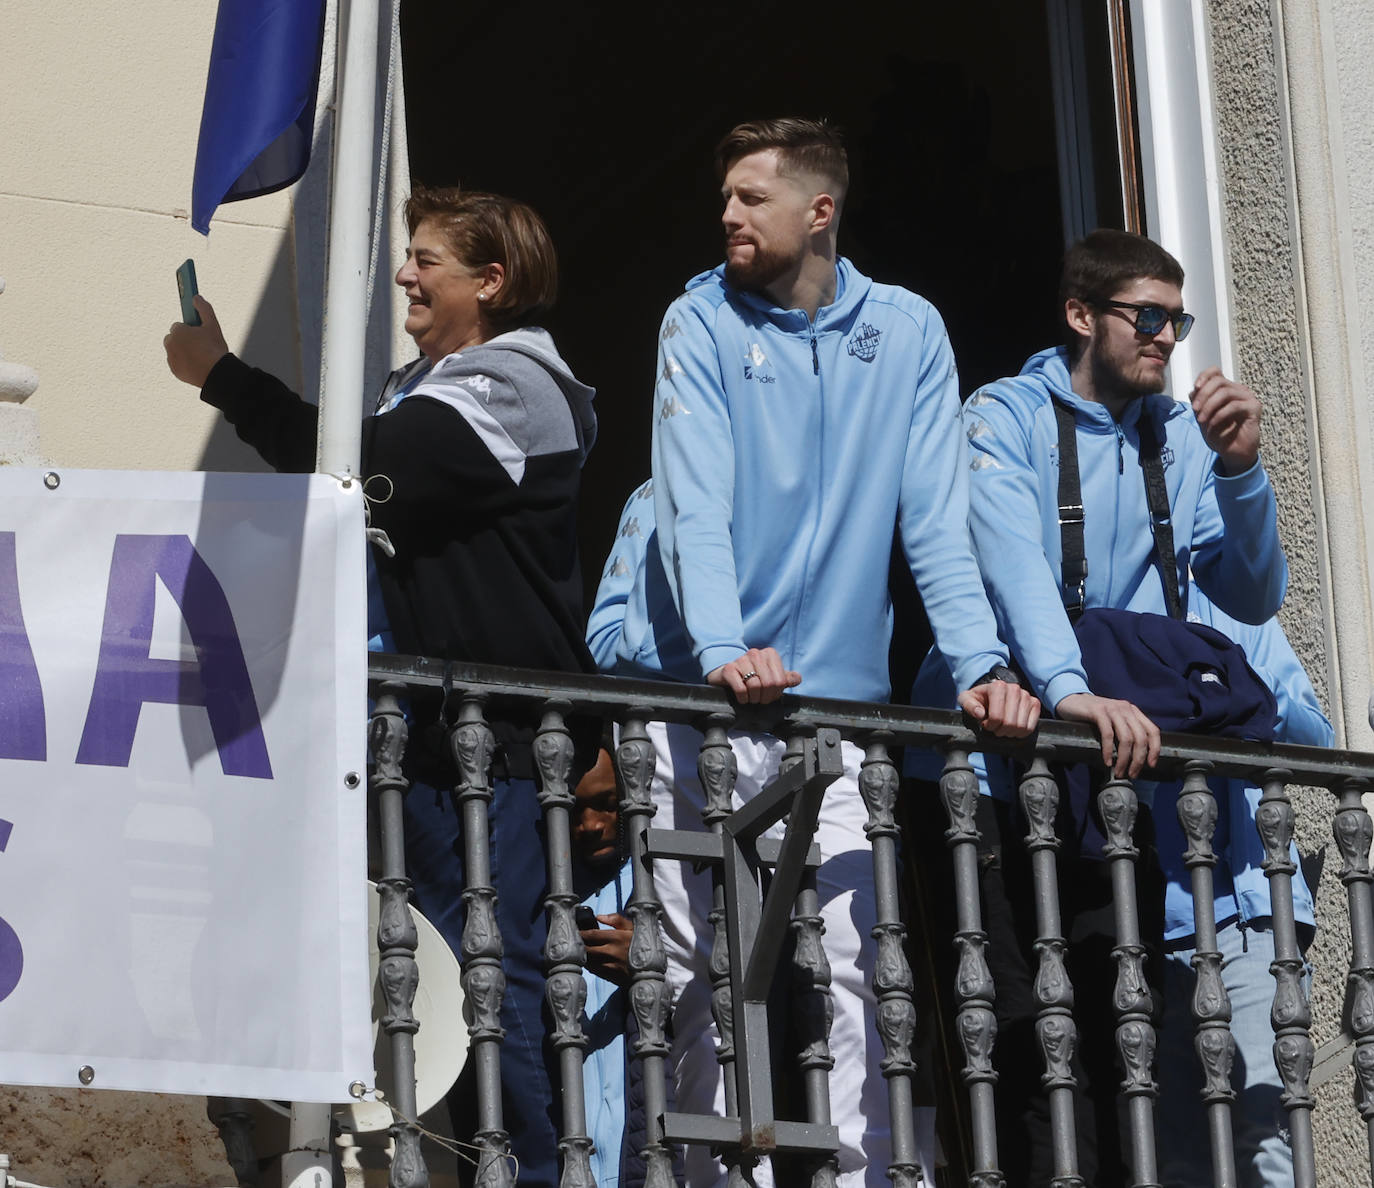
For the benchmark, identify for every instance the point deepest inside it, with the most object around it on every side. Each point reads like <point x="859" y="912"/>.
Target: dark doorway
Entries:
<point x="607" y="127"/>
<point x="605" y="120"/>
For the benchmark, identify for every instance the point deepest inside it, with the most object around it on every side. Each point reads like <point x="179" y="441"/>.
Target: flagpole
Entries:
<point x="352" y="192"/>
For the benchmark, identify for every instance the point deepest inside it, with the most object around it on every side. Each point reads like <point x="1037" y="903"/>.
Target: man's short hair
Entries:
<point x="1102" y="263"/>
<point x="484" y="228"/>
<point x="804" y="146"/>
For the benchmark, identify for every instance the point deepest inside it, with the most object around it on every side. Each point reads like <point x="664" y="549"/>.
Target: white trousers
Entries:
<point x="858" y="1091"/>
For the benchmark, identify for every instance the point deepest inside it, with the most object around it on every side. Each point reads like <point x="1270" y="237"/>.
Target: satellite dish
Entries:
<point x="441" y="1044"/>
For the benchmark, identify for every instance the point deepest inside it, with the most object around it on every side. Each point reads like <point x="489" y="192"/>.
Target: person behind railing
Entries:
<point x="1122" y="304"/>
<point x="602" y="877"/>
<point x="1245" y="938"/>
<point x="803" y="414"/>
<point x="472" y="459"/>
<point x="602" y="880"/>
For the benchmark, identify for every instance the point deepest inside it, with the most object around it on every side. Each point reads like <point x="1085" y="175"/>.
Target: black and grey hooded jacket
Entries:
<point x="484" y="457"/>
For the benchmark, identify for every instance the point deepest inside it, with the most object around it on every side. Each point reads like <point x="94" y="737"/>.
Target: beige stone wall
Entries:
<point x="97" y="144"/>
<point x="99" y="114"/>
<point x="1291" y="90"/>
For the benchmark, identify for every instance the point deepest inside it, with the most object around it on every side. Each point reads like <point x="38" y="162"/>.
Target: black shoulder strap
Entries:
<point x="1073" y="559"/>
<point x="1161" y="516"/>
<point x="1074" y="562"/>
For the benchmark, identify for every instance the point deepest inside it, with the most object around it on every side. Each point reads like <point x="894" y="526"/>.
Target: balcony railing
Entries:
<point x="750" y="925"/>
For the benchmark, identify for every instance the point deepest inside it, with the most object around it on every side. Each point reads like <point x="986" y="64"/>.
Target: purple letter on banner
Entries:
<point x="127" y="675"/>
<point x="23" y="727"/>
<point x="11" y="951"/>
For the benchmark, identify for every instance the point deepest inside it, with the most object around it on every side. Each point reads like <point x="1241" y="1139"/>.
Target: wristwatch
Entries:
<point x="998" y="672"/>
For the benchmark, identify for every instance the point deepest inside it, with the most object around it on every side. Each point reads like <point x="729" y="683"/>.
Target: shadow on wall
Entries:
<point x="287" y="331"/>
<point x="285" y="338"/>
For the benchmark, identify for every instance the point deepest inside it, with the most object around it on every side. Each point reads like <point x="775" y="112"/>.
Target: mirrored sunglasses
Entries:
<point x="1151" y="319"/>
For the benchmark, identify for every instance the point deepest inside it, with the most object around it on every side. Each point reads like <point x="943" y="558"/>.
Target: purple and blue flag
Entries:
<point x="259" y="115"/>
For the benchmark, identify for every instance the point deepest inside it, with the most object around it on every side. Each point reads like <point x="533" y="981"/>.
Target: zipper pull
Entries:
<point x="815" y="358"/>
<point x="1120" y="451"/>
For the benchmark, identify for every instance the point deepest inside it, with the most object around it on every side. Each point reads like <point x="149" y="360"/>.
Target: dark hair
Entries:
<point x="804" y="146"/>
<point x="485" y="229"/>
<point x="1102" y="262"/>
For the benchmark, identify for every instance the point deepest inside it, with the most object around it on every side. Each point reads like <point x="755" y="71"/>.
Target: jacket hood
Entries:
<point x="1050" y="369"/>
<point x="851" y="287"/>
<point x="534" y="342"/>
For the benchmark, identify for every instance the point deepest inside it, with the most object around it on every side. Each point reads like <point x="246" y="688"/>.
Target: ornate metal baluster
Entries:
<point x="1054" y="1024"/>
<point x="1135" y="1035"/>
<point x="1290" y="1015"/>
<point x="973" y="981"/>
<point x="813" y="1011"/>
<point x="892" y="981"/>
<point x="1216" y="1047"/>
<point x="564" y="953"/>
<point x="387" y="734"/>
<point x="634" y="761"/>
<point x="484" y="980"/>
<point x="233" y="1118"/>
<point x="717" y="769"/>
<point x="1354" y="831"/>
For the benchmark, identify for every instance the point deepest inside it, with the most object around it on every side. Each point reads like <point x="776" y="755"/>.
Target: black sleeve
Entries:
<point x="265" y="413"/>
<point x="425" y="447"/>
<point x="435" y="461"/>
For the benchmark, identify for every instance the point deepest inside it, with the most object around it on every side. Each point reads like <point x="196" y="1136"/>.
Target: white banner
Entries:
<point x="183" y="897"/>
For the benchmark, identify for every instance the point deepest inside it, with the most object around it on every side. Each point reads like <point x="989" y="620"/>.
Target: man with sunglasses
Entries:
<point x="1122" y="302"/>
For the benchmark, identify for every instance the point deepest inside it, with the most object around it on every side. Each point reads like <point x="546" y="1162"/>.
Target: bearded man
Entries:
<point x="1122" y="302"/>
<point x="803" y="414"/>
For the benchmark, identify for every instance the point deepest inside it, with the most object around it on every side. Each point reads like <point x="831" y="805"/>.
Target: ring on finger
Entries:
<point x="747" y="675"/>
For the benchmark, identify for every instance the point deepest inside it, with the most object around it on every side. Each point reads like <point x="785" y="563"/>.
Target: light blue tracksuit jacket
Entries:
<point x="634" y="628"/>
<point x="1225" y="528"/>
<point x="785" y="452"/>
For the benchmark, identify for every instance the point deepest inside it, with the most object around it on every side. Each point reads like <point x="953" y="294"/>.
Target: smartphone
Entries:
<point x="585" y="917"/>
<point x="186" y="287"/>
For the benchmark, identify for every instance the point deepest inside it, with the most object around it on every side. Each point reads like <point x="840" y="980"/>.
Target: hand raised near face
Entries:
<point x="1228" y="413"/>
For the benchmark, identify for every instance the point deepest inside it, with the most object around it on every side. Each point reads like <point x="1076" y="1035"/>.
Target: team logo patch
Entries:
<point x="1166" y="455"/>
<point x="863" y="343"/>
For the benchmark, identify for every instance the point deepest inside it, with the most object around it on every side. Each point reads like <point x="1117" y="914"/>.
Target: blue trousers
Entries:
<point x="1258" y="1120"/>
<point x="434" y="861"/>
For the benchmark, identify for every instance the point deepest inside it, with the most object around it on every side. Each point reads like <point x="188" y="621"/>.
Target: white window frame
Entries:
<point x="1180" y="174"/>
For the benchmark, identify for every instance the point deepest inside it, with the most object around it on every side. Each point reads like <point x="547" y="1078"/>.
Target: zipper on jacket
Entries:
<point x="815" y="358"/>
<point x="1120" y="449"/>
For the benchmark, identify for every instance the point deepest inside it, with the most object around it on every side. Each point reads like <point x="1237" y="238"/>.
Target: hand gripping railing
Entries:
<point x="749" y="926"/>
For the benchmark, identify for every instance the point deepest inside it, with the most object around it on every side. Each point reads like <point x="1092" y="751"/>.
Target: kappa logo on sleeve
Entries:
<point x="631" y="527"/>
<point x="671" y="406"/>
<point x="671" y="367"/>
<point x="863" y="343"/>
<point x="618" y="568"/>
<point x="671" y="330"/>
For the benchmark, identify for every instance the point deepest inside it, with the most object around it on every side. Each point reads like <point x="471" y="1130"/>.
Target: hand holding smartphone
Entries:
<point x="585" y="917"/>
<point x="186" y="287"/>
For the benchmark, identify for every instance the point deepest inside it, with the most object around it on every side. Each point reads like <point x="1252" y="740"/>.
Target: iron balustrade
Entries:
<point x="749" y="923"/>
